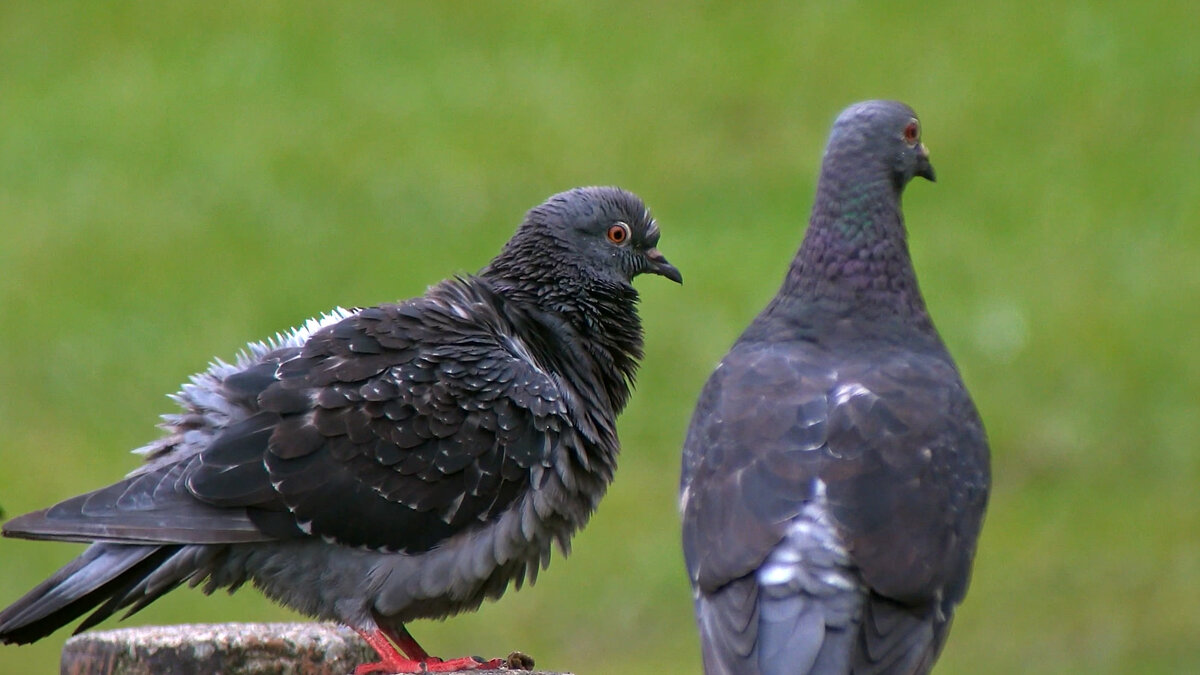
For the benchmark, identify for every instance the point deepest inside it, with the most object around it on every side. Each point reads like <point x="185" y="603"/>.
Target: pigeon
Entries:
<point x="380" y="465"/>
<point x="836" y="472"/>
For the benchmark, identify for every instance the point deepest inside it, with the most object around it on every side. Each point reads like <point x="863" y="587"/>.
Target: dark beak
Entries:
<point x="924" y="168"/>
<point x="660" y="266"/>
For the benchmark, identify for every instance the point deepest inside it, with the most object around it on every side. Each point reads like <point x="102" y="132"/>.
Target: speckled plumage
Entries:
<point x="835" y="473"/>
<point x="383" y="464"/>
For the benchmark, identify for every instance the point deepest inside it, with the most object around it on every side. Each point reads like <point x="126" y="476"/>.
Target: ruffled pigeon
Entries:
<point x="381" y="465"/>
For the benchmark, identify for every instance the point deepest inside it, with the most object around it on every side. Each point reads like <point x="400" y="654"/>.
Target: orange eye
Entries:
<point x="618" y="233"/>
<point x="912" y="132"/>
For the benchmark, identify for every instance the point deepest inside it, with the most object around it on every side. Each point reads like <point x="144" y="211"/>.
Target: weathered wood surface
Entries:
<point x="222" y="649"/>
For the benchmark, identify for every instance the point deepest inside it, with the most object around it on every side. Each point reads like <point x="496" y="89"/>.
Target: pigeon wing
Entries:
<point x="399" y="427"/>
<point x="755" y="445"/>
<point x="393" y="429"/>
<point x="154" y="504"/>
<point x="776" y="430"/>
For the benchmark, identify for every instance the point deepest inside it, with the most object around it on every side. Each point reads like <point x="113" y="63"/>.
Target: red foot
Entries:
<point x="431" y="665"/>
<point x="392" y="661"/>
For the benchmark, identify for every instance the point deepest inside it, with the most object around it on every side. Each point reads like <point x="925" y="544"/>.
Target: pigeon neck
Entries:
<point x="855" y="254"/>
<point x="589" y="326"/>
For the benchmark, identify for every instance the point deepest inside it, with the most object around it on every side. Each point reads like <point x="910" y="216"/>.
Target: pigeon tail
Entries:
<point x="811" y="600"/>
<point x="103" y="575"/>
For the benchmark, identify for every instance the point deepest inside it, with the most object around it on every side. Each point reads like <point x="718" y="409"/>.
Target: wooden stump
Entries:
<point x="221" y="649"/>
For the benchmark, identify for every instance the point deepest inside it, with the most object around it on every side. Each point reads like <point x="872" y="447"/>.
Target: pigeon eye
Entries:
<point x="912" y="132"/>
<point x="618" y="233"/>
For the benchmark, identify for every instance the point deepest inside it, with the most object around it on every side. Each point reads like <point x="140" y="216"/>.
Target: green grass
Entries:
<point x="177" y="179"/>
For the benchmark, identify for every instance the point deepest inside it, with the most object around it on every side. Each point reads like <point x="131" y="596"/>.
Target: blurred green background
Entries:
<point x="179" y="178"/>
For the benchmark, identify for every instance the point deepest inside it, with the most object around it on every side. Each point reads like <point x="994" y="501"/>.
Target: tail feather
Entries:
<point x="897" y="639"/>
<point x="102" y="575"/>
<point x="182" y="564"/>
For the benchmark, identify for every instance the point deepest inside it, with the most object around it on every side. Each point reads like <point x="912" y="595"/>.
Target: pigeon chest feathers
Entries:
<point x="855" y="260"/>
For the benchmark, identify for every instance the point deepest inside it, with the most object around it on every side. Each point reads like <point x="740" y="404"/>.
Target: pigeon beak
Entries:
<point x="660" y="266"/>
<point x="924" y="168"/>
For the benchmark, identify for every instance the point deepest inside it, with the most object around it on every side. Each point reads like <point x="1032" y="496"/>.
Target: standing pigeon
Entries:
<point x="836" y="472"/>
<point x="385" y="464"/>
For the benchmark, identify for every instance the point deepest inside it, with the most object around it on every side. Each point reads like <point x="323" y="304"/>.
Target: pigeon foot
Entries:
<point x="430" y="665"/>
<point x="393" y="660"/>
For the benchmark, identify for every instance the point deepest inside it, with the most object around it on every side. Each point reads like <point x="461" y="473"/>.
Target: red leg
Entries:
<point x="406" y="642"/>
<point x="391" y="660"/>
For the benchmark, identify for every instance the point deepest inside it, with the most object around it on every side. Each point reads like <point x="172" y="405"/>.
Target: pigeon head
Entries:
<point x="573" y="259"/>
<point x="882" y="135"/>
<point x="855" y="253"/>
<point x="588" y="234"/>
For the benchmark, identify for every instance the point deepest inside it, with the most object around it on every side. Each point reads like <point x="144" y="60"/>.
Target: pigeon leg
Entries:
<point x="391" y="660"/>
<point x="406" y="642"/>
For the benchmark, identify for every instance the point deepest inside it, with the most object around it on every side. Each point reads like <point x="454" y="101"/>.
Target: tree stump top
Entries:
<point x="225" y="649"/>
